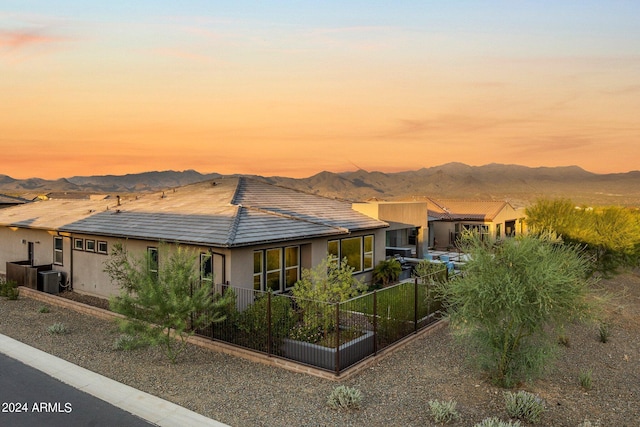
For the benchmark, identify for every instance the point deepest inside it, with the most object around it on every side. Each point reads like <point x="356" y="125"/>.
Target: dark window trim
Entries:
<point x="77" y="240"/>
<point x="106" y="247"/>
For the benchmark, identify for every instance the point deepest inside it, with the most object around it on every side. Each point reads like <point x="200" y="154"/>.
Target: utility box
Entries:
<point x="51" y="281"/>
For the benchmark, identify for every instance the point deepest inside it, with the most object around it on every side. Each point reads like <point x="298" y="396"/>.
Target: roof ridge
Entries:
<point x="233" y="229"/>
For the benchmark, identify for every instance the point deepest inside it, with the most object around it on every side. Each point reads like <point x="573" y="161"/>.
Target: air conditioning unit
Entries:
<point x="51" y="281"/>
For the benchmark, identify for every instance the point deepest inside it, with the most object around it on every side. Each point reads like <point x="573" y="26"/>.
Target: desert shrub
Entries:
<point x="604" y="332"/>
<point x="588" y="423"/>
<point x="524" y="406"/>
<point x="511" y="295"/>
<point x="44" y="309"/>
<point x="253" y="320"/>
<point x="344" y="397"/>
<point x="586" y="379"/>
<point x="58" y="328"/>
<point x="9" y="289"/>
<point x="126" y="342"/>
<point x="496" y="422"/>
<point x="443" y="411"/>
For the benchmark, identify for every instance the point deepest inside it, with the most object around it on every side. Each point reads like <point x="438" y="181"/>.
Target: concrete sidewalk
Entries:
<point x="144" y="405"/>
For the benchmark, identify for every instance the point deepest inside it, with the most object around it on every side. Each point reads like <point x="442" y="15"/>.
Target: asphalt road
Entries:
<point x="31" y="398"/>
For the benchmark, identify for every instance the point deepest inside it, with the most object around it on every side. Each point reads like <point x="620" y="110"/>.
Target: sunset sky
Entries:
<point x="294" y="88"/>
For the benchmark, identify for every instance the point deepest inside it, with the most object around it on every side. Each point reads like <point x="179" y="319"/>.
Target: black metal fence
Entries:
<point x="329" y="336"/>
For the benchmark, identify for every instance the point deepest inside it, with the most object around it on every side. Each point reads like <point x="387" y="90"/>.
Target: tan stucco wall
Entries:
<point x="12" y="247"/>
<point x="400" y="215"/>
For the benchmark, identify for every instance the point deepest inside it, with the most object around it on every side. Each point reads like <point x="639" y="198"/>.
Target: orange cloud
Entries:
<point x="20" y="39"/>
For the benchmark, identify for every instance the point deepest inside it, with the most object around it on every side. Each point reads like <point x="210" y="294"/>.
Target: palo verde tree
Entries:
<point x="513" y="293"/>
<point x="320" y="287"/>
<point x="610" y="235"/>
<point x="162" y="302"/>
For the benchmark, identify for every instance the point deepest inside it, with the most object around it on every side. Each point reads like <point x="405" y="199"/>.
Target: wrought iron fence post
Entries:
<point x="415" y="305"/>
<point x="337" y="338"/>
<point x="375" y="322"/>
<point x="269" y="323"/>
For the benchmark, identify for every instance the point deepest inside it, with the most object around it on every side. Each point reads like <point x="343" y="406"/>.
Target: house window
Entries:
<point x="102" y="247"/>
<point x="78" y="244"/>
<point x="152" y="260"/>
<point x="57" y="250"/>
<point x="367" y="258"/>
<point x="206" y="269"/>
<point x="498" y="231"/>
<point x="357" y="250"/>
<point x="291" y="266"/>
<point x="276" y="269"/>
<point x="258" y="270"/>
<point x="90" y="245"/>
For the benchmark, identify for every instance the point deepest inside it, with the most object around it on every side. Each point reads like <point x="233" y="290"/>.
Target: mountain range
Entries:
<point x="520" y="185"/>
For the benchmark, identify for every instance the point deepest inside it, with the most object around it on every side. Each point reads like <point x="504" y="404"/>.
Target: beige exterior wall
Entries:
<point x="399" y="216"/>
<point x="85" y="269"/>
<point x="14" y="246"/>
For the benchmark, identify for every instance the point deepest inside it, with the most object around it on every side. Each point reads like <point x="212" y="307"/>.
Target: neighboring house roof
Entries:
<point x="6" y="200"/>
<point x="229" y="212"/>
<point x="465" y="210"/>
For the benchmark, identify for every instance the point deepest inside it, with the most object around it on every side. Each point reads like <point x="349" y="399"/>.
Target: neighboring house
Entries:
<point x="408" y="227"/>
<point x="491" y="219"/>
<point x="8" y="201"/>
<point x="248" y="233"/>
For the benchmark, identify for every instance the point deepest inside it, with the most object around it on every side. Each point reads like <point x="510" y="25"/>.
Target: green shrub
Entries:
<point x="604" y="332"/>
<point x="588" y="423"/>
<point x="58" y="328"/>
<point x="387" y="271"/>
<point x="585" y="378"/>
<point x="44" y="309"/>
<point x="128" y="342"/>
<point x="524" y="406"/>
<point x="344" y="397"/>
<point x="253" y="320"/>
<point x="443" y="411"/>
<point x="9" y="289"/>
<point x="495" y="422"/>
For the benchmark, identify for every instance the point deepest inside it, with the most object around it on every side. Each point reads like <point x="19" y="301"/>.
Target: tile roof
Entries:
<point x="11" y="200"/>
<point x="228" y="212"/>
<point x="471" y="210"/>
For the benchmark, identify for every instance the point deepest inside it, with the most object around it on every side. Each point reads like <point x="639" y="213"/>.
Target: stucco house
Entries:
<point x="490" y="218"/>
<point x="249" y="233"/>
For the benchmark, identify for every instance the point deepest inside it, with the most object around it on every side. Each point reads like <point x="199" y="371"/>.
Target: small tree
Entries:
<point x="162" y="307"/>
<point x="511" y="294"/>
<point x="387" y="271"/>
<point x="329" y="282"/>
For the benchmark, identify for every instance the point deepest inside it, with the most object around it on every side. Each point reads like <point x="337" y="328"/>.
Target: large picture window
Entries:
<point x="357" y="250"/>
<point x="276" y="269"/>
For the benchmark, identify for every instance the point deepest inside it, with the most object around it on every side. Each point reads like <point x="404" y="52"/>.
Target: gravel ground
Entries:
<point x="395" y="390"/>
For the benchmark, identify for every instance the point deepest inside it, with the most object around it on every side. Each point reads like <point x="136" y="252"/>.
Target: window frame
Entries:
<point x="363" y="255"/>
<point x="58" y="252"/>
<point x="76" y="246"/>
<point x="262" y="269"/>
<point x="206" y="259"/>
<point x="104" y="251"/>
<point x="88" y="243"/>
<point x="151" y="250"/>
